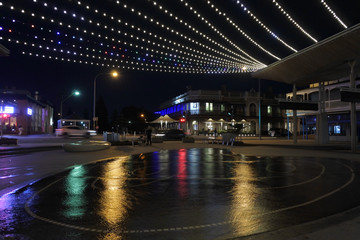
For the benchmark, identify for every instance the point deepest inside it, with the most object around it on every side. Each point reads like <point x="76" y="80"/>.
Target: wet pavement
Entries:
<point x="186" y="193"/>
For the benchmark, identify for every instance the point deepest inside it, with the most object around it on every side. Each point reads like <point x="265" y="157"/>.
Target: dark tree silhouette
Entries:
<point x="102" y="114"/>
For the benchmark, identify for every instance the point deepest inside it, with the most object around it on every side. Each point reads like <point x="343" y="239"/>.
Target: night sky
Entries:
<point x="116" y="34"/>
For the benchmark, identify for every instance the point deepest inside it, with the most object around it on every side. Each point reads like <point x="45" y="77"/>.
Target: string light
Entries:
<point x="333" y="13"/>
<point x="99" y="36"/>
<point x="259" y="22"/>
<point x="224" y="37"/>
<point x="120" y="33"/>
<point x="119" y="21"/>
<point x="171" y="30"/>
<point x="292" y="20"/>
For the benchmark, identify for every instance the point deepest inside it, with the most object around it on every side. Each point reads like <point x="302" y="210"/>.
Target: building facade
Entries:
<point x="25" y="114"/>
<point x="201" y="111"/>
<point x="337" y="111"/>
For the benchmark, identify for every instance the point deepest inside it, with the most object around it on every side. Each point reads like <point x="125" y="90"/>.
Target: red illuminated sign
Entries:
<point x="4" y="115"/>
<point x="182" y="120"/>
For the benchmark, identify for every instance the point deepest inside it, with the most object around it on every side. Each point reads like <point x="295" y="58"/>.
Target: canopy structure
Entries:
<point x="324" y="61"/>
<point x="333" y="58"/>
<point x="164" y="119"/>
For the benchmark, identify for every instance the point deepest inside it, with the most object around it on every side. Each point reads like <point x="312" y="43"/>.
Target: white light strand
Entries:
<point x="196" y="13"/>
<point x="225" y="38"/>
<point x="194" y="69"/>
<point x="333" y="13"/>
<point x="149" y="33"/>
<point x="232" y="65"/>
<point x="292" y="20"/>
<point x="168" y="41"/>
<point x="260" y="23"/>
<point x="169" y="29"/>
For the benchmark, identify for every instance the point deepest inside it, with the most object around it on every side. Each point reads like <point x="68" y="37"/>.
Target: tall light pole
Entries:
<point x="113" y="74"/>
<point x="74" y="93"/>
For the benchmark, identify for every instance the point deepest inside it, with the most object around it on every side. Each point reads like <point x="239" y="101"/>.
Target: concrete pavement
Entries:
<point x="24" y="171"/>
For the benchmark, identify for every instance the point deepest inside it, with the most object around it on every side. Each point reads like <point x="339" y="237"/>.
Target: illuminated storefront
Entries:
<point x="205" y="111"/>
<point x="337" y="111"/>
<point x="21" y="112"/>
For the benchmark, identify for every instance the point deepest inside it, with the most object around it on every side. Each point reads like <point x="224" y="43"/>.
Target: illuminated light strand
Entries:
<point x="333" y="13"/>
<point x="159" y="37"/>
<point x="181" y="21"/>
<point x="60" y="23"/>
<point x="177" y="69"/>
<point x="163" y="26"/>
<point x="225" y="38"/>
<point x="293" y="21"/>
<point x="106" y="28"/>
<point x="78" y="29"/>
<point x="122" y="66"/>
<point x="259" y="22"/>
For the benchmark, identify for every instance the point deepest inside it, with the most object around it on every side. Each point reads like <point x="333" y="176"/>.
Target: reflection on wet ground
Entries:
<point x="180" y="194"/>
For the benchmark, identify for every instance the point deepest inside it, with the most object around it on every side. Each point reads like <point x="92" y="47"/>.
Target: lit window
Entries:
<point x="222" y="108"/>
<point x="209" y="107"/>
<point x="29" y="111"/>
<point x="269" y="110"/>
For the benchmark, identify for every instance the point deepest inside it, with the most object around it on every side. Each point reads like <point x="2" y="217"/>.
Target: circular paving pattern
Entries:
<point x="184" y="194"/>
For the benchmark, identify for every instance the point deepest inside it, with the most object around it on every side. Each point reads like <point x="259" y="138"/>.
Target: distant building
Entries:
<point x="338" y="112"/>
<point x="206" y="110"/>
<point x="20" y="110"/>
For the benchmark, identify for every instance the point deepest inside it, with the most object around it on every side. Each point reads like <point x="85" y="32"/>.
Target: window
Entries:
<point x="269" y="110"/>
<point x="209" y="107"/>
<point x="337" y="129"/>
<point x="222" y="108"/>
<point x="252" y="109"/>
<point x="194" y="108"/>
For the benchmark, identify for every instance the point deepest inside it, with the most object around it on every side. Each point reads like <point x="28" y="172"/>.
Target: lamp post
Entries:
<point x="113" y="74"/>
<point x="74" y="93"/>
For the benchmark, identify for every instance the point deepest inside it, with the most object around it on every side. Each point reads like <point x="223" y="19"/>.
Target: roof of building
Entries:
<point x="15" y="94"/>
<point x="324" y="61"/>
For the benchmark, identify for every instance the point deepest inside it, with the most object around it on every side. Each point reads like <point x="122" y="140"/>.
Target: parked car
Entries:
<point x="74" y="131"/>
<point x="279" y="132"/>
<point x="172" y="134"/>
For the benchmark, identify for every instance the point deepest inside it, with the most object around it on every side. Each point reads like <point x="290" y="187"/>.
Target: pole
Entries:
<point x="288" y="125"/>
<point x="295" y="126"/>
<point x="259" y="111"/>
<point x="94" y="119"/>
<point x="353" y="121"/>
<point x="61" y="106"/>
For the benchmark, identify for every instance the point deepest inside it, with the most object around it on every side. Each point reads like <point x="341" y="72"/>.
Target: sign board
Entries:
<point x="298" y="105"/>
<point x="350" y="94"/>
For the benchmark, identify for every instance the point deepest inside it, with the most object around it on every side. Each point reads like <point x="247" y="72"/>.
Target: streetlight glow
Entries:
<point x="113" y="74"/>
<point x="74" y="93"/>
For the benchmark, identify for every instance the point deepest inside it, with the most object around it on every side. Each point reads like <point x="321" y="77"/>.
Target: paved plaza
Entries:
<point x="264" y="189"/>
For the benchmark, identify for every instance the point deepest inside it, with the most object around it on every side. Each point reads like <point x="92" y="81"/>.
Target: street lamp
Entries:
<point x="113" y="74"/>
<point x="74" y="93"/>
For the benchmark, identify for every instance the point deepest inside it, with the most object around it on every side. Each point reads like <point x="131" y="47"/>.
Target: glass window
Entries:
<point x="222" y="108"/>
<point x="337" y="129"/>
<point x="209" y="107"/>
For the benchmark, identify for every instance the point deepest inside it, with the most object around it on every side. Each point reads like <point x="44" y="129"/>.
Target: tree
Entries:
<point x="102" y="114"/>
<point x="115" y="123"/>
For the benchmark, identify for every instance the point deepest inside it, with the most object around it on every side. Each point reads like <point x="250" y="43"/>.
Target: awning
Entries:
<point x="324" y="61"/>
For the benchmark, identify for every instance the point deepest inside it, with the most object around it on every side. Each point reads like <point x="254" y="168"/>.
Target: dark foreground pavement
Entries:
<point x="262" y="190"/>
